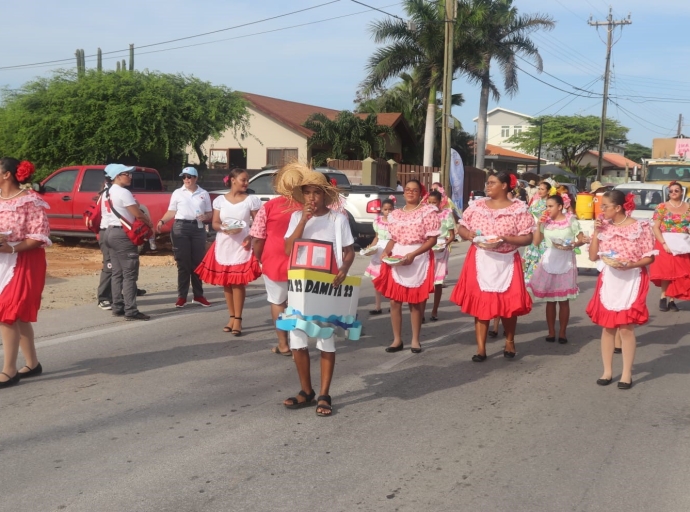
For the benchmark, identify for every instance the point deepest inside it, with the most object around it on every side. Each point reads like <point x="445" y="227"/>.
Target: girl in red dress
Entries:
<point x="413" y="230"/>
<point x="24" y="232"/>
<point x="623" y="247"/>
<point x="491" y="283"/>
<point x="671" y="267"/>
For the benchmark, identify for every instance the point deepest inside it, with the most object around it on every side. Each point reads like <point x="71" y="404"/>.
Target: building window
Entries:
<point x="505" y="131"/>
<point x="517" y="129"/>
<point x="280" y="157"/>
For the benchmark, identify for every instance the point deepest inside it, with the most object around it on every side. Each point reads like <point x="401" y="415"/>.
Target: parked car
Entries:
<point x="475" y="194"/>
<point x="647" y="197"/>
<point x="362" y="202"/>
<point x="69" y="192"/>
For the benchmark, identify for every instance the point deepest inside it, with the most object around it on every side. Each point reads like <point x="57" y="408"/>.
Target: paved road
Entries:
<point x="176" y="415"/>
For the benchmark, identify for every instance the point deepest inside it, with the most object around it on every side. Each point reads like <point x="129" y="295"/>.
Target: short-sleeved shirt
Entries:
<point x="515" y="220"/>
<point x="672" y="222"/>
<point x="324" y="228"/>
<point x="414" y="226"/>
<point x="631" y="243"/>
<point x="271" y="224"/>
<point x="447" y="222"/>
<point x="121" y="199"/>
<point x="25" y="217"/>
<point x="567" y="228"/>
<point x="187" y="205"/>
<point x="239" y="211"/>
<point x="381" y="229"/>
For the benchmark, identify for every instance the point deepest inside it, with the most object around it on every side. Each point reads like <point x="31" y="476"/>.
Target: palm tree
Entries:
<point x="348" y="136"/>
<point x="417" y="48"/>
<point x="503" y="37"/>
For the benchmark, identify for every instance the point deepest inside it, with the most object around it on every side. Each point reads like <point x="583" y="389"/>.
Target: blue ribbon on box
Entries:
<point x="316" y="326"/>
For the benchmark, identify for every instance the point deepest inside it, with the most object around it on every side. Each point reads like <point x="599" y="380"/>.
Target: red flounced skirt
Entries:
<point x="386" y="285"/>
<point x="638" y="313"/>
<point x="515" y="301"/>
<point x="212" y="272"/>
<point x="21" y="298"/>
<point x="676" y="269"/>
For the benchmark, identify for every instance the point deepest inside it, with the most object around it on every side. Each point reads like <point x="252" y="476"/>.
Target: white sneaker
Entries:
<point x="152" y="243"/>
<point x="105" y="305"/>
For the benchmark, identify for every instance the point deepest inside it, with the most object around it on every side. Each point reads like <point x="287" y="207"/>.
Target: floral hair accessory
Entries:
<point x="513" y="182"/>
<point x="629" y="204"/>
<point x="392" y="198"/>
<point x="566" y="201"/>
<point x="226" y="180"/>
<point x="25" y="170"/>
<point x="553" y="191"/>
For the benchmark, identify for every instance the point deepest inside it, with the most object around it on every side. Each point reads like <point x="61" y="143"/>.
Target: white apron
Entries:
<point x="229" y="250"/>
<point x="414" y="274"/>
<point x="8" y="262"/>
<point x="494" y="270"/>
<point x="619" y="288"/>
<point x="376" y="257"/>
<point x="679" y="243"/>
<point x="556" y="261"/>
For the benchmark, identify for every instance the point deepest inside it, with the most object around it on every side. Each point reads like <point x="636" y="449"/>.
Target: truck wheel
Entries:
<point x="71" y="240"/>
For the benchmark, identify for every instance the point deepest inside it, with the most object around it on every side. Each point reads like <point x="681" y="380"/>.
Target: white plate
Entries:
<point x="392" y="261"/>
<point x="368" y="251"/>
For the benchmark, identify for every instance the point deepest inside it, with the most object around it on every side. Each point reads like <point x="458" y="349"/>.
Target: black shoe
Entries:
<point x="11" y="382"/>
<point x="672" y="306"/>
<point x="375" y="311"/>
<point x="35" y="372"/>
<point x="550" y="339"/>
<point x="625" y="385"/>
<point x="423" y="319"/>
<point x="395" y="349"/>
<point x="478" y="359"/>
<point x="434" y="318"/>
<point x="492" y="334"/>
<point x="562" y="341"/>
<point x="509" y="355"/>
<point x="617" y="350"/>
<point x="138" y="316"/>
<point x="416" y="350"/>
<point x="663" y="304"/>
<point x="140" y="292"/>
<point x="118" y="313"/>
<point x="604" y="382"/>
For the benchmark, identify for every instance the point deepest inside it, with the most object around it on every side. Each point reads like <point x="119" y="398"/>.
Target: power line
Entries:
<point x="182" y="38"/>
<point x="377" y="9"/>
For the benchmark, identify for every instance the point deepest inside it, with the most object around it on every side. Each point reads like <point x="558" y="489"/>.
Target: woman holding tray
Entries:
<point x="491" y="283"/>
<point x="554" y="280"/>
<point x="624" y="247"/>
<point x="407" y="271"/>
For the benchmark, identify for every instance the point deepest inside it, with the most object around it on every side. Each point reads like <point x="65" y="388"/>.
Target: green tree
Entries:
<point x="503" y="37"/>
<point x="570" y="137"/>
<point x="636" y="152"/>
<point x="108" y="116"/>
<point x="346" y="137"/>
<point x="417" y="48"/>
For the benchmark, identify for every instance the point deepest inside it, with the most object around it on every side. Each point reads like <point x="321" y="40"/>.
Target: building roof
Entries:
<point x="615" y="160"/>
<point x="501" y="109"/>
<point x="293" y="114"/>
<point x="499" y="153"/>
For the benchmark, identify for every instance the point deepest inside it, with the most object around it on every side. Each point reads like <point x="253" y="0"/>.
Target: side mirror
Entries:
<point x="37" y="187"/>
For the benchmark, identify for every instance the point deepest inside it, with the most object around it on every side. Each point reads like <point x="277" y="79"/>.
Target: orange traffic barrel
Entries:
<point x="597" y="204"/>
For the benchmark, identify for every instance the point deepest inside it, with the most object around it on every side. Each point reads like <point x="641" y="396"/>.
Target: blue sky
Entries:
<point x="324" y="62"/>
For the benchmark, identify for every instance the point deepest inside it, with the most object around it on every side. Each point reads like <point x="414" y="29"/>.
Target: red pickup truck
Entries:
<point x="70" y="190"/>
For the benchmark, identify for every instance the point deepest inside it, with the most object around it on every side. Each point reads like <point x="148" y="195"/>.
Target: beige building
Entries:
<point x="277" y="135"/>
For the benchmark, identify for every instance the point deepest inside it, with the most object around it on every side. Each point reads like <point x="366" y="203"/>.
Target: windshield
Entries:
<point x="646" y="200"/>
<point x="680" y="172"/>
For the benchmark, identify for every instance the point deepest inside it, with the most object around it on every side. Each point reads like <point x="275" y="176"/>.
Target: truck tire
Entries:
<point x="71" y="240"/>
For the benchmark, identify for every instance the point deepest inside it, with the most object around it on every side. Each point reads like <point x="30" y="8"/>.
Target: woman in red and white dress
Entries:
<point x="413" y="230"/>
<point x="230" y="262"/>
<point x="24" y="232"/>
<point x="671" y="267"/>
<point x="623" y="248"/>
<point x="491" y="283"/>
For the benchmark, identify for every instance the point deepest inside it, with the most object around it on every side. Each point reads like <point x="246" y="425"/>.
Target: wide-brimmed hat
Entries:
<point x="287" y="178"/>
<point x="315" y="179"/>
<point x="595" y="185"/>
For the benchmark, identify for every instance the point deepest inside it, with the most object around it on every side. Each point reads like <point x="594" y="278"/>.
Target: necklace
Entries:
<point x="675" y="205"/>
<point x="413" y="209"/>
<point x="621" y="222"/>
<point x="12" y="196"/>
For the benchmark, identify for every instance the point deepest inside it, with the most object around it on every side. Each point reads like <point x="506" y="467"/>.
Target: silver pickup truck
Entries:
<point x="362" y="202"/>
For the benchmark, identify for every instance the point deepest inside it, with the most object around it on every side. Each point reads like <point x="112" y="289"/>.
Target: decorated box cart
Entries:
<point x="315" y="306"/>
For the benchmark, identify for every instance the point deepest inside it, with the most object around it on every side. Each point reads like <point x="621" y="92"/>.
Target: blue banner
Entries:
<point x="457" y="179"/>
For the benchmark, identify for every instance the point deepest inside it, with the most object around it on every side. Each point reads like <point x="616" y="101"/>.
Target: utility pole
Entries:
<point x="541" y="135"/>
<point x="680" y="126"/>
<point x="610" y="25"/>
<point x="451" y="13"/>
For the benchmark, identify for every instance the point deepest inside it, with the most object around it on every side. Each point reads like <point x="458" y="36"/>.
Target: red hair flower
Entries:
<point x="25" y="170"/>
<point x="629" y="204"/>
<point x="513" y="182"/>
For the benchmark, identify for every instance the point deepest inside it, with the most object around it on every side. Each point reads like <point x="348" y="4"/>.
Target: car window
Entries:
<point x="92" y="181"/>
<point x="152" y="182"/>
<point x="262" y="184"/>
<point x="340" y="179"/>
<point x="645" y="200"/>
<point x="62" y="182"/>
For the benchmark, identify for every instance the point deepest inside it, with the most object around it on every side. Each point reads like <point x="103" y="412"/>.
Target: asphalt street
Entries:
<point x="176" y="415"/>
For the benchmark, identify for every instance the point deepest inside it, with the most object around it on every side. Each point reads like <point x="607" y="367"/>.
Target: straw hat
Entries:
<point x="596" y="185"/>
<point x="287" y="178"/>
<point x="313" y="178"/>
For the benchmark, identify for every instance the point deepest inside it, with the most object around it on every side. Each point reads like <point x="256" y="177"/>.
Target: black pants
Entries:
<point x="124" y="257"/>
<point x="104" y="288"/>
<point x="189" y="247"/>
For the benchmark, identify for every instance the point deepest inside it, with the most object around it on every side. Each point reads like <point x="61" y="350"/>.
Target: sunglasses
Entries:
<point x="187" y="176"/>
<point x="125" y="174"/>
